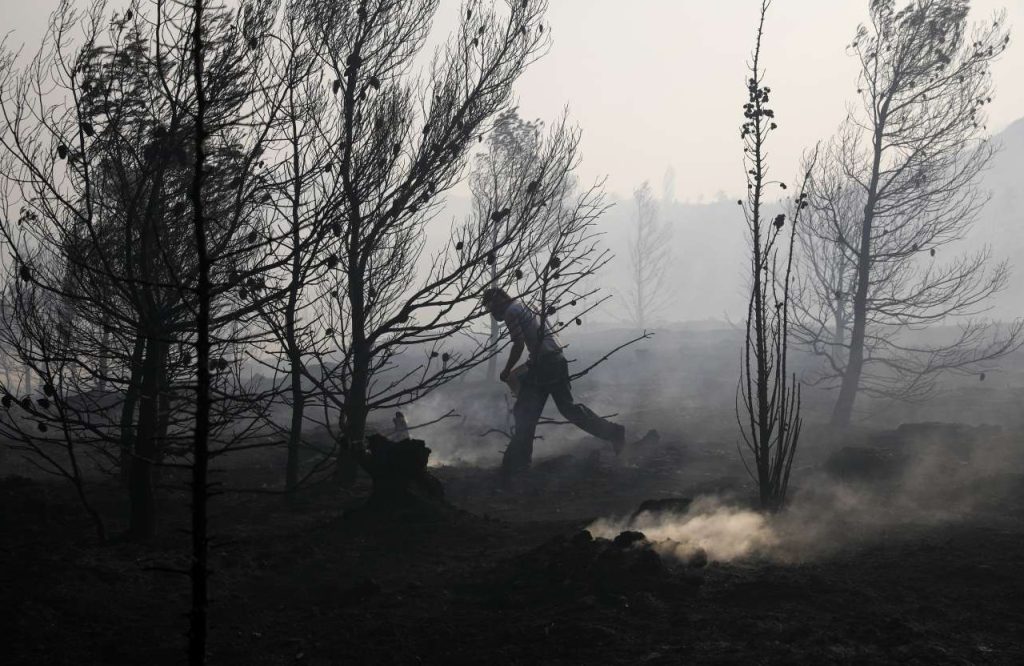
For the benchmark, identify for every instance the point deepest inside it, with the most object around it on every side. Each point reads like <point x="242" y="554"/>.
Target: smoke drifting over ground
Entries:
<point x="724" y="532"/>
<point x="911" y="478"/>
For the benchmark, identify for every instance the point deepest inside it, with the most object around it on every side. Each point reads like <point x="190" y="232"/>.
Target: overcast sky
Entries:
<point x="655" y="83"/>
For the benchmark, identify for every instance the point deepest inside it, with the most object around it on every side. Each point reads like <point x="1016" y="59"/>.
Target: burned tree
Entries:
<point x="768" y="396"/>
<point x="650" y="256"/>
<point x="139" y="218"/>
<point x="48" y="429"/>
<point x="825" y="270"/>
<point x="103" y="180"/>
<point x="891" y="195"/>
<point x="298" y="205"/>
<point x="402" y="143"/>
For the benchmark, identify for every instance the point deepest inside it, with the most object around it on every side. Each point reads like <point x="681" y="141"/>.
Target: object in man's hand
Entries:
<point x="401" y="432"/>
<point x="515" y="379"/>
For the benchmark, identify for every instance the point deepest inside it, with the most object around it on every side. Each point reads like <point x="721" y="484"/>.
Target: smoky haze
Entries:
<point x="511" y="331"/>
<point x="656" y="87"/>
<point x="654" y="84"/>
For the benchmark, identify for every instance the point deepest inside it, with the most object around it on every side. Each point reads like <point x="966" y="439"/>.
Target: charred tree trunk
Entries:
<point x="492" y="362"/>
<point x="163" y="422"/>
<point x="291" y="316"/>
<point x="355" y="409"/>
<point x="356" y="413"/>
<point x="761" y="335"/>
<point x="843" y="410"/>
<point x="198" y="572"/>
<point x="839" y="321"/>
<point x="142" y="519"/>
<point x="131" y="399"/>
<point x="295" y="431"/>
<point x="101" y="385"/>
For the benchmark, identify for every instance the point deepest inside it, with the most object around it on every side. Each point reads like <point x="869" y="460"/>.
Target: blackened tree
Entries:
<point x="892" y="194"/>
<point x="403" y="142"/>
<point x="768" y="396"/>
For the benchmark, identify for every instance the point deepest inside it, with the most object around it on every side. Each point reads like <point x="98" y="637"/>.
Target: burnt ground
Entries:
<point x="502" y="576"/>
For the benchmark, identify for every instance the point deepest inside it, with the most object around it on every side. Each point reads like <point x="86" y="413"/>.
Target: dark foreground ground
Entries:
<point x="500" y="576"/>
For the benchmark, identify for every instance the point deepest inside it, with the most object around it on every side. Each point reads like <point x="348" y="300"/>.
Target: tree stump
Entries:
<point x="399" y="472"/>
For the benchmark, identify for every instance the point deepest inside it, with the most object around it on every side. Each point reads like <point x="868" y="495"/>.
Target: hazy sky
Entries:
<point x="655" y="83"/>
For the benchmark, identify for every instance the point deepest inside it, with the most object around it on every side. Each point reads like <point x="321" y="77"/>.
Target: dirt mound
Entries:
<point x="886" y="455"/>
<point x="668" y="505"/>
<point x="862" y="463"/>
<point x="581" y="567"/>
<point x="955" y="440"/>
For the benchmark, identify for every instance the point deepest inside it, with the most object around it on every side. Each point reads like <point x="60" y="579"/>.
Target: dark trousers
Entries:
<point x="549" y="375"/>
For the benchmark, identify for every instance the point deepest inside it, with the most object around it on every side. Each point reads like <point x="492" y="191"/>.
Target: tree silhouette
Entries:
<point x="650" y="256"/>
<point x="103" y="181"/>
<point x="402" y="143"/>
<point x="894" y="190"/>
<point x="768" y="396"/>
<point x="299" y="205"/>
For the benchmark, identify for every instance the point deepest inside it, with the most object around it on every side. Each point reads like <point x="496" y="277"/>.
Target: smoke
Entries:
<point x="472" y="434"/>
<point x="723" y="532"/>
<point x="826" y="516"/>
<point x="814" y="525"/>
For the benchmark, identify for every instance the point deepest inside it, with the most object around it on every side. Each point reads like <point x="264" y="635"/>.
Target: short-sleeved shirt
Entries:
<point x="524" y="326"/>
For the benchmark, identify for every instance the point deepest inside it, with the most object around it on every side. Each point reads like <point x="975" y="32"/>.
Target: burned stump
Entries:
<point x="399" y="473"/>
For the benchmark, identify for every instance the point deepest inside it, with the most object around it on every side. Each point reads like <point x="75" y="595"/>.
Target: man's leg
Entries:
<point x="526" y="412"/>
<point x="580" y="415"/>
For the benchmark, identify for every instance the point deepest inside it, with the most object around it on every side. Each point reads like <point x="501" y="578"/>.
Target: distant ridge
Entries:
<point x="1007" y="165"/>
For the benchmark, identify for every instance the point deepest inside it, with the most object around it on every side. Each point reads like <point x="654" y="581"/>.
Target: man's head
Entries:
<point x="496" y="301"/>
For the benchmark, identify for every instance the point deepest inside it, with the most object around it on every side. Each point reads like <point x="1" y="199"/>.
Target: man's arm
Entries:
<point x="513" y="358"/>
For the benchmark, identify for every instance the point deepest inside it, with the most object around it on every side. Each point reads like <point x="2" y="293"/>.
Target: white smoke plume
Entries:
<point x="824" y="517"/>
<point x="724" y="533"/>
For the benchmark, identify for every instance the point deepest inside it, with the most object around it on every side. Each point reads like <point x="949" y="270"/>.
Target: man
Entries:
<point x="547" y="373"/>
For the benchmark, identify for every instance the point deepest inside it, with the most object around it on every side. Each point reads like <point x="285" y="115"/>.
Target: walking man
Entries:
<point x="547" y="373"/>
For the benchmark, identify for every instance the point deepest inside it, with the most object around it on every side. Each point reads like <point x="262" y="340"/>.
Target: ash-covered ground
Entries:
<point x="903" y="542"/>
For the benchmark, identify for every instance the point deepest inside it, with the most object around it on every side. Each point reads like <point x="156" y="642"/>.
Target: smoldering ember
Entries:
<point x="511" y="332"/>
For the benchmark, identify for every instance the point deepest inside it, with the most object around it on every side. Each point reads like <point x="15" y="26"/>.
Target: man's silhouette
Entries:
<point x="547" y="373"/>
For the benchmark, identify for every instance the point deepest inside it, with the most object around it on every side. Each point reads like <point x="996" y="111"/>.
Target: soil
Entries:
<point x="504" y="574"/>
